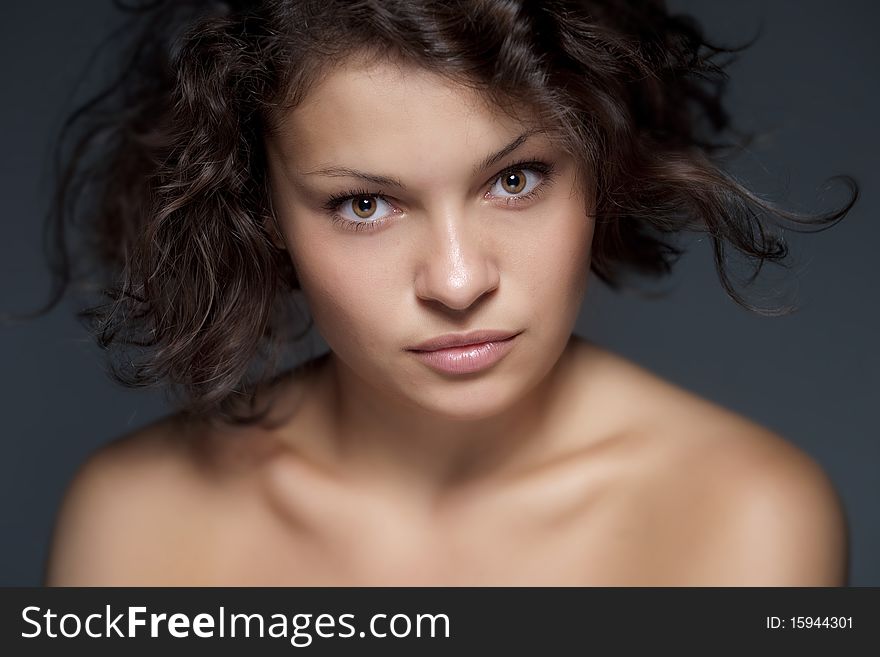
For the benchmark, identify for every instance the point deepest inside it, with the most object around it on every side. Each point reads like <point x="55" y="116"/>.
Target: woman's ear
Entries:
<point x="270" y="225"/>
<point x="285" y="259"/>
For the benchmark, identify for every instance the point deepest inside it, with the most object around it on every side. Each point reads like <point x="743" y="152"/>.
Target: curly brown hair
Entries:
<point x="166" y="165"/>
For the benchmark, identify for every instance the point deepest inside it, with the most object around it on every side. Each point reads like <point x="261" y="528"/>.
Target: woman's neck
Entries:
<point x="372" y="437"/>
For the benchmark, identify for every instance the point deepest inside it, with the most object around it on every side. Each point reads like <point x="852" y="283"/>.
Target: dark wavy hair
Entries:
<point x="165" y="168"/>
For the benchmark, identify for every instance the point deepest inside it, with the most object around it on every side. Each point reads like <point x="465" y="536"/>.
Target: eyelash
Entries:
<point x="332" y="204"/>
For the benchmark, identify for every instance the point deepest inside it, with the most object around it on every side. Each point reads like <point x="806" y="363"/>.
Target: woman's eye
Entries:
<point x="364" y="208"/>
<point x="516" y="183"/>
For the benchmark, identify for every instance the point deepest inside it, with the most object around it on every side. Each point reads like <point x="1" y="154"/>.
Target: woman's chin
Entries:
<point x="468" y="404"/>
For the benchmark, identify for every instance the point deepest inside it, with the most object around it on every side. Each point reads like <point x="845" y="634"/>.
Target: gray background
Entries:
<point x="810" y="82"/>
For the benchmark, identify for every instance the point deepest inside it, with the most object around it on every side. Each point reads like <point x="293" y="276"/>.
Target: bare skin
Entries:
<point x="562" y="464"/>
<point x="640" y="483"/>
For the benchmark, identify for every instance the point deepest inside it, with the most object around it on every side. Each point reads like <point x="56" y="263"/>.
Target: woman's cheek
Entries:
<point x="346" y="299"/>
<point x="558" y="259"/>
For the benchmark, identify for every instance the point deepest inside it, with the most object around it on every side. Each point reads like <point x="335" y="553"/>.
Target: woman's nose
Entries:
<point x="457" y="267"/>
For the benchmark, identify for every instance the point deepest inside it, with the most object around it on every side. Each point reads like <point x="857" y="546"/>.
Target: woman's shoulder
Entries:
<point x="127" y="502"/>
<point x="141" y="507"/>
<point x="752" y="506"/>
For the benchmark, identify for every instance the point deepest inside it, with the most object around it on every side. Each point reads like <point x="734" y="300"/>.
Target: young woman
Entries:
<point x="433" y="183"/>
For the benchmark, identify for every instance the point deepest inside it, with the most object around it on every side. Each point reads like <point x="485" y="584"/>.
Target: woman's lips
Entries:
<point x="466" y="359"/>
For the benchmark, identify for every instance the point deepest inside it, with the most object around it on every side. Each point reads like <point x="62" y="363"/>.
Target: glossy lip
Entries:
<point x="466" y="358"/>
<point x="463" y="339"/>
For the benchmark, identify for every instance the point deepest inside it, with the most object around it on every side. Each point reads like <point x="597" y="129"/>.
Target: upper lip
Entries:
<point x="462" y="339"/>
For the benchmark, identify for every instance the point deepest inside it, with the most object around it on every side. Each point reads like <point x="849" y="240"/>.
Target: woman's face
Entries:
<point x="406" y="213"/>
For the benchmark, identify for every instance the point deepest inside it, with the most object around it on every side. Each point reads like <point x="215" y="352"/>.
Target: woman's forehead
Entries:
<point x="384" y="109"/>
<point x="401" y="120"/>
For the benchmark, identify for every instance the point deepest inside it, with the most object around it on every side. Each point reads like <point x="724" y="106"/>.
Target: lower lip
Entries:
<point x="467" y="359"/>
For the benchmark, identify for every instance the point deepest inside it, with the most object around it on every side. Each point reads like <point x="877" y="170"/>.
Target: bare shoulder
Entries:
<point x="128" y="497"/>
<point x="743" y="504"/>
<point x="771" y="516"/>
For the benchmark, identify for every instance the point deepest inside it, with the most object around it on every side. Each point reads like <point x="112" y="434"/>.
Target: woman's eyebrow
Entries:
<point x="386" y="181"/>
<point x="507" y="150"/>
